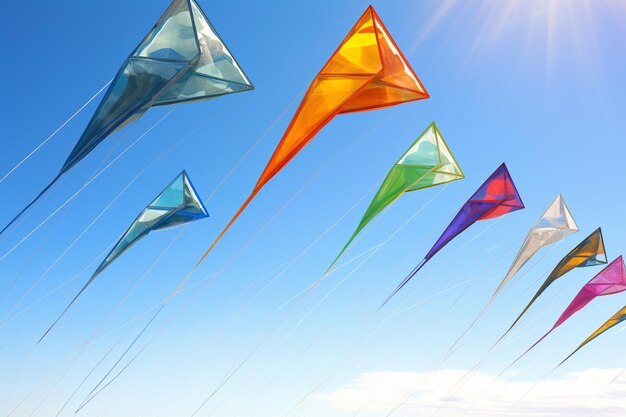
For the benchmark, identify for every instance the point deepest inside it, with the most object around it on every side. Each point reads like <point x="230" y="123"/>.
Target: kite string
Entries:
<point x="180" y="286"/>
<point x="194" y="296"/>
<point x="27" y="157"/>
<point x="144" y="170"/>
<point x="91" y="341"/>
<point x="92" y="179"/>
<point x="308" y="292"/>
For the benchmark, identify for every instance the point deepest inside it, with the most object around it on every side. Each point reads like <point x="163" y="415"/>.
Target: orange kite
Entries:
<point x="367" y="72"/>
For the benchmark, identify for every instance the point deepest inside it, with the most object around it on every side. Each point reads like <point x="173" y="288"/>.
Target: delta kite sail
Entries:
<point x="366" y="72"/>
<point x="555" y="224"/>
<point x="611" y="280"/>
<point x="427" y="163"/>
<point x="182" y="59"/>
<point x="177" y="204"/>
<point x="589" y="252"/>
<point x="615" y="319"/>
<point x="496" y="197"/>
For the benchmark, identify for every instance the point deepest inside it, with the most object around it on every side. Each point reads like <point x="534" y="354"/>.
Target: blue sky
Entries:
<point x="537" y="84"/>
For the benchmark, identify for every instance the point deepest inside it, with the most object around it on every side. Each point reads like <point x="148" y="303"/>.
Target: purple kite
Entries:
<point x="496" y="197"/>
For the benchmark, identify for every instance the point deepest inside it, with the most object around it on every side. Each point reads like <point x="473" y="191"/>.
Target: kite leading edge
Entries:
<point x="611" y="280"/>
<point x="427" y="163"/>
<point x="366" y="72"/>
<point x="177" y="204"/>
<point x="496" y="197"/>
<point x="589" y="252"/>
<point x="182" y="59"/>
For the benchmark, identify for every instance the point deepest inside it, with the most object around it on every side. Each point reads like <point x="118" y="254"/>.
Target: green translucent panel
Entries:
<point x="173" y="37"/>
<point x="128" y="97"/>
<point x="427" y="163"/>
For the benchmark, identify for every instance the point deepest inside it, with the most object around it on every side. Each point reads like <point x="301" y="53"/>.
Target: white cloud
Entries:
<point x="589" y="393"/>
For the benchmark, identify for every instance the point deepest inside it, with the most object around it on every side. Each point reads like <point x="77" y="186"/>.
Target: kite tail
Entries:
<point x="527" y="350"/>
<point x="46" y="188"/>
<point x="403" y="283"/>
<point x="569" y="356"/>
<point x="68" y="307"/>
<point x="230" y="223"/>
<point x="340" y="253"/>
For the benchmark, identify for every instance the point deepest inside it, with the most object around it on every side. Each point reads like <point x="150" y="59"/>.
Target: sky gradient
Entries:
<point x="536" y="84"/>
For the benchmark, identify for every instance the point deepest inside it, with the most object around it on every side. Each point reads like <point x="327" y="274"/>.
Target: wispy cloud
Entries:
<point x="587" y="393"/>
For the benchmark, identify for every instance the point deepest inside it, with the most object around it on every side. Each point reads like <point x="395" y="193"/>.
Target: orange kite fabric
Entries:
<point x="367" y="72"/>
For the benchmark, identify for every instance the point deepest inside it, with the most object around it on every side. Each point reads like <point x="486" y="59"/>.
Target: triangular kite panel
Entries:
<point x="427" y="163"/>
<point x="353" y="79"/>
<point x="178" y="203"/>
<point x="589" y="252"/>
<point x="172" y="38"/>
<point x="615" y="319"/>
<point x="555" y="224"/>
<point x="325" y="96"/>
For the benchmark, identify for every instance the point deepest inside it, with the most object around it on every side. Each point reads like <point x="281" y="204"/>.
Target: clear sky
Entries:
<point x="537" y="84"/>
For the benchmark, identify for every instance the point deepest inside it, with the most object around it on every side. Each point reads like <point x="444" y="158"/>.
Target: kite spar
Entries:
<point x="611" y="280"/>
<point x="427" y="163"/>
<point x="366" y="72"/>
<point x="182" y="59"/>
<point x="496" y="197"/>
<point x="177" y="204"/>
<point x="615" y="319"/>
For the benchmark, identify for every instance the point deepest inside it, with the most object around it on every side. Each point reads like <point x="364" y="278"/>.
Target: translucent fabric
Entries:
<point x="555" y="224"/>
<point x="611" y="280"/>
<point x="366" y="72"/>
<point x="496" y="197"/>
<point x="427" y="163"/>
<point x="615" y="319"/>
<point x="181" y="59"/>
<point x="178" y="203"/>
<point x="589" y="252"/>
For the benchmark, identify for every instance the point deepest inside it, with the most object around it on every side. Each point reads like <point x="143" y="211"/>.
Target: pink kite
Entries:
<point x="611" y="280"/>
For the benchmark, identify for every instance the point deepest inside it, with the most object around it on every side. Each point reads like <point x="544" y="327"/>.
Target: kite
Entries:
<point x="589" y="252"/>
<point x="496" y="197"/>
<point x="182" y="59"/>
<point x="427" y="163"/>
<point x="611" y="280"/>
<point x="555" y="224"/>
<point x="177" y="204"/>
<point x="366" y="72"/>
<point x="615" y="319"/>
